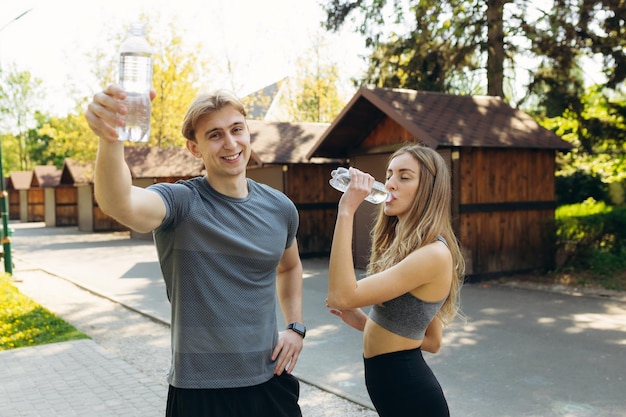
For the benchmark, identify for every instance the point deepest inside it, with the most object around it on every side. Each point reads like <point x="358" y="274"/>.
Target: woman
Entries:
<point x="413" y="278"/>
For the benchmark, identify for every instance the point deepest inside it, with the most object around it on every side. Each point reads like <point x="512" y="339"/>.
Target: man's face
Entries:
<point x="223" y="143"/>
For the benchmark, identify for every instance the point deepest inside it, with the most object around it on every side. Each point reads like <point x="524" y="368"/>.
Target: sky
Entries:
<point x="262" y="38"/>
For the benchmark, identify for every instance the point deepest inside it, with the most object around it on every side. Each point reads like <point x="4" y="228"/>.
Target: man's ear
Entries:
<point x="193" y="148"/>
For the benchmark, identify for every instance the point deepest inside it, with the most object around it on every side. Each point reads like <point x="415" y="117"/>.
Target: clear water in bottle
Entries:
<point x="341" y="178"/>
<point x="137" y="120"/>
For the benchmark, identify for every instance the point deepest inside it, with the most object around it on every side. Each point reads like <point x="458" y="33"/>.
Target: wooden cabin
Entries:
<point x="280" y="160"/>
<point x="45" y="179"/>
<point x="60" y="207"/>
<point x="77" y="176"/>
<point x="502" y="164"/>
<point x="17" y="186"/>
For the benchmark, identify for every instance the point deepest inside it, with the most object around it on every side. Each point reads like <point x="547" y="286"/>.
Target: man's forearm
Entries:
<point x="289" y="286"/>
<point x="112" y="179"/>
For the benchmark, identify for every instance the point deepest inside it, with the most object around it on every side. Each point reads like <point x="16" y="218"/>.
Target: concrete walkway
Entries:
<point x="77" y="378"/>
<point x="521" y="353"/>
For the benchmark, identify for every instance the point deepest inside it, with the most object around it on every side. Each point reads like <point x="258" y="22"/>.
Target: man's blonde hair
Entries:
<point x="206" y="103"/>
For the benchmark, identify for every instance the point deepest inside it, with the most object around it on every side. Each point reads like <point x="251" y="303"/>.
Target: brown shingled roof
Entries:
<point x="161" y="162"/>
<point x="19" y="180"/>
<point x="74" y="173"/>
<point x="45" y="176"/>
<point x="282" y="142"/>
<point x="436" y="119"/>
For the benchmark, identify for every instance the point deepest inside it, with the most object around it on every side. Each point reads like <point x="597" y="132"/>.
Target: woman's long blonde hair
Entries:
<point x="428" y="218"/>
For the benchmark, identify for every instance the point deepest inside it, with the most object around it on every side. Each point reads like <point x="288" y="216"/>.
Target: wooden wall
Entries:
<point x="307" y="186"/>
<point x="66" y="206"/>
<point x="503" y="201"/>
<point x="506" y="207"/>
<point x="14" y="204"/>
<point x="36" y="205"/>
<point x="387" y="133"/>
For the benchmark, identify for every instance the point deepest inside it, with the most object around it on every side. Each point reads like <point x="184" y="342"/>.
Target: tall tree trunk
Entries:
<point x="495" y="47"/>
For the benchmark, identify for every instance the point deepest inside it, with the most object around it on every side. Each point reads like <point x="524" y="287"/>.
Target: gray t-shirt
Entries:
<point x="218" y="256"/>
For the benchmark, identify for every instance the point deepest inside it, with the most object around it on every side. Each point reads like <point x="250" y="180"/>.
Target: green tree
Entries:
<point x="20" y="93"/>
<point x="432" y="45"/>
<point x="67" y="137"/>
<point x="313" y="95"/>
<point x="176" y="81"/>
<point x="423" y="44"/>
<point x="598" y="134"/>
<point x="10" y="153"/>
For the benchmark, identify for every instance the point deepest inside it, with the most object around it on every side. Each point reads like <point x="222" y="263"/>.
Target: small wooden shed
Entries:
<point x="502" y="165"/>
<point x="45" y="179"/>
<point x="280" y="160"/>
<point x="77" y="176"/>
<point x="17" y="187"/>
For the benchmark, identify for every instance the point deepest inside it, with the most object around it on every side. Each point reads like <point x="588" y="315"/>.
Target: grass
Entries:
<point x="25" y="323"/>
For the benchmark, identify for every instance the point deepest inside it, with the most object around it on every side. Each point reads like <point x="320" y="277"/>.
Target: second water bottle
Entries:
<point x="341" y="178"/>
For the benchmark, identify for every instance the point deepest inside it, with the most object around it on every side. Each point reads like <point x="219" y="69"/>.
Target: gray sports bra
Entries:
<point x="407" y="315"/>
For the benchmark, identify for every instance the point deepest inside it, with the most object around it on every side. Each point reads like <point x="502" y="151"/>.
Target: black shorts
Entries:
<point x="277" y="397"/>
<point x="402" y="384"/>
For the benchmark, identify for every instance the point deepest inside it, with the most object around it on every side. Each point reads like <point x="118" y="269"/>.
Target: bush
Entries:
<point x="26" y="323"/>
<point x="592" y="236"/>
<point x="577" y="187"/>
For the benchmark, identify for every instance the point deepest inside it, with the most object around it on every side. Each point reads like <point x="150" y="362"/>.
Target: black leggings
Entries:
<point x="402" y="384"/>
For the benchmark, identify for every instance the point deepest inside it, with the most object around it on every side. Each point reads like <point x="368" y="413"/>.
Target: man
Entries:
<point x="226" y="247"/>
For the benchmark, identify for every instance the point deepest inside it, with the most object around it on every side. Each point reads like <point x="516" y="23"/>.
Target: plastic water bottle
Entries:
<point x="341" y="178"/>
<point x="135" y="77"/>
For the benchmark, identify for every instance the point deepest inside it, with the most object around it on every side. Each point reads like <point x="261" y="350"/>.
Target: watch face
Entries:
<point x="298" y="328"/>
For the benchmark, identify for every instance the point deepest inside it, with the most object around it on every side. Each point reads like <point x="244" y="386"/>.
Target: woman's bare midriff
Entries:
<point x="377" y="341"/>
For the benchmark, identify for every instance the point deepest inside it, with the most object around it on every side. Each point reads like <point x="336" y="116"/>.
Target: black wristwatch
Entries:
<point x="298" y="328"/>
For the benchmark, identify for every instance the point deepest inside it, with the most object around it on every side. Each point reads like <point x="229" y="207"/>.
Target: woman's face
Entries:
<point x="402" y="182"/>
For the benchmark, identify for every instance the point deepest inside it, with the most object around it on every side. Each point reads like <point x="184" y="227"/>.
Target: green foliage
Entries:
<point x="422" y="45"/>
<point x="175" y="80"/>
<point x="313" y="95"/>
<point x="592" y="236"/>
<point x="20" y="93"/>
<point x="25" y="323"/>
<point x="598" y="157"/>
<point x="434" y="45"/>
<point x="67" y="137"/>
<point x="578" y="186"/>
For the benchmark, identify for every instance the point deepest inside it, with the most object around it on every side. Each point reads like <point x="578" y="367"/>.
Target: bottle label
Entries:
<point x="135" y="71"/>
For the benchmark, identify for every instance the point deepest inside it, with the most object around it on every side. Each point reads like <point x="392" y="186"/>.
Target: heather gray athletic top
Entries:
<point x="218" y="256"/>
<point x="406" y="315"/>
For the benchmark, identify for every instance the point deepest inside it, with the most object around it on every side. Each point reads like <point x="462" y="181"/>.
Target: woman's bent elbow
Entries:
<point x="431" y="346"/>
<point x="339" y="303"/>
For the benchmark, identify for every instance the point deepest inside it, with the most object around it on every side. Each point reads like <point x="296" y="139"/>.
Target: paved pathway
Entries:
<point x="522" y="353"/>
<point x="77" y="378"/>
